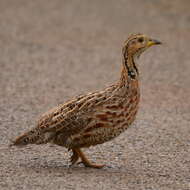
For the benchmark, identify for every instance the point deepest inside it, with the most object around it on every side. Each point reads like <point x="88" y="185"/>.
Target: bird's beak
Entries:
<point x="152" y="42"/>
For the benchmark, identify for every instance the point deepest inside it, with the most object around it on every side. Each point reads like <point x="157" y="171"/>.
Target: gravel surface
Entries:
<point x="52" y="50"/>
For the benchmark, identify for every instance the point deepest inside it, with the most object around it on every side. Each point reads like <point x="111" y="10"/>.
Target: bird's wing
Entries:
<point x="75" y="115"/>
<point x="48" y="118"/>
<point x="71" y="116"/>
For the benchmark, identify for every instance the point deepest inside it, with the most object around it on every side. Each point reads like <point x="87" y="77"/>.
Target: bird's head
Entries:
<point x="133" y="47"/>
<point x="136" y="44"/>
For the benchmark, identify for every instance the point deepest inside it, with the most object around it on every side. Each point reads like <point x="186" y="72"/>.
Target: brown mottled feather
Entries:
<point x="96" y="117"/>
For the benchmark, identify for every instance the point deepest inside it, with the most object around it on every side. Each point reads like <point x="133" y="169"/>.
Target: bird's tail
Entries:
<point x="29" y="137"/>
<point x="34" y="136"/>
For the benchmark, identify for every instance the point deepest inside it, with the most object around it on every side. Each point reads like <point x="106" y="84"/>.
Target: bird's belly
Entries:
<point x="96" y="137"/>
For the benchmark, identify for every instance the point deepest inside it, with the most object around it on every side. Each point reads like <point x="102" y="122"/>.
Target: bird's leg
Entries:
<point x="74" y="157"/>
<point x="85" y="161"/>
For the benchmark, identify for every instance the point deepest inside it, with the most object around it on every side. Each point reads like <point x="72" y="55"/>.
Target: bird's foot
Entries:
<point x="78" y="153"/>
<point x="90" y="165"/>
<point x="74" y="158"/>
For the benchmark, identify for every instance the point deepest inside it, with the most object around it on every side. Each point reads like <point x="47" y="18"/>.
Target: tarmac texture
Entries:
<point x="53" y="50"/>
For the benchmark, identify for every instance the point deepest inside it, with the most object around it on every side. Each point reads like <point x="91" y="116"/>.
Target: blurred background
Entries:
<point x="53" y="50"/>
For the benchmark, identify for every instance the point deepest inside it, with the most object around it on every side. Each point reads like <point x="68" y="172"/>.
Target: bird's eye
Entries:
<point x="141" y="40"/>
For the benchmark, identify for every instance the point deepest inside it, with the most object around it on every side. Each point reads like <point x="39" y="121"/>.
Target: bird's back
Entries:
<point x="87" y="119"/>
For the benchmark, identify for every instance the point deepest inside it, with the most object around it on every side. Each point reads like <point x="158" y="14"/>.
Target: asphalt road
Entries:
<point x="53" y="50"/>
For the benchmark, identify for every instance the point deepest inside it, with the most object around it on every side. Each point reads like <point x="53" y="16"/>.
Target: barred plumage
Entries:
<point x="97" y="117"/>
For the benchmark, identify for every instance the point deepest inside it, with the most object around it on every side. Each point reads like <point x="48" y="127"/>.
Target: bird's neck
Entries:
<point x="129" y="70"/>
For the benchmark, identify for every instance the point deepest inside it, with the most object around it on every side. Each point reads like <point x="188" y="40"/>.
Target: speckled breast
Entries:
<point x="118" y="115"/>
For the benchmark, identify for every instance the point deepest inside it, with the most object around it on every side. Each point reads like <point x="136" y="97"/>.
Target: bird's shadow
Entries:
<point x="60" y="169"/>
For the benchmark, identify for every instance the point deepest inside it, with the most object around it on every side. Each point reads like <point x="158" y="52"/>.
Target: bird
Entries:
<point x="96" y="117"/>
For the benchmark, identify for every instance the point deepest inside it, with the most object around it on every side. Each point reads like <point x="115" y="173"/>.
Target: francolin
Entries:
<point x="96" y="117"/>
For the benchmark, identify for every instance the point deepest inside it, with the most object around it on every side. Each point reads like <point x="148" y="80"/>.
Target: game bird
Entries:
<point x="96" y="117"/>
